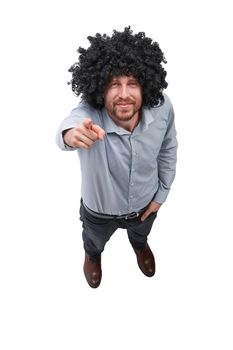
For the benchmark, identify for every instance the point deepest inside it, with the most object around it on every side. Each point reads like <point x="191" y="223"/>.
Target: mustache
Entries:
<point x="123" y="101"/>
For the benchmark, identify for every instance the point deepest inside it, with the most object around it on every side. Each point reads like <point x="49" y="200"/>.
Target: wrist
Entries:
<point x="64" y="132"/>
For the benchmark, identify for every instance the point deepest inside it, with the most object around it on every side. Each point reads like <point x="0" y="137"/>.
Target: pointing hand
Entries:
<point x="84" y="135"/>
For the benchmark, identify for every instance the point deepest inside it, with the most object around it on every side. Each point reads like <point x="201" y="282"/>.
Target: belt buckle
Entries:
<point x="133" y="215"/>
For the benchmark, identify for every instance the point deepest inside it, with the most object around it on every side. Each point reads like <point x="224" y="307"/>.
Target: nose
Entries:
<point x="123" y="92"/>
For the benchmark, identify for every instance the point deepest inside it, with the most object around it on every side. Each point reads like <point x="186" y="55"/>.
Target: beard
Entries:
<point x="124" y="111"/>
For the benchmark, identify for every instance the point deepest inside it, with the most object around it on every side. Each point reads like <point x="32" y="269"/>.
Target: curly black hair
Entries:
<point x="121" y="54"/>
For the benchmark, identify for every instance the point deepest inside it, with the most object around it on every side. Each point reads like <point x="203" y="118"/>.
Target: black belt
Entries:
<point x="129" y="216"/>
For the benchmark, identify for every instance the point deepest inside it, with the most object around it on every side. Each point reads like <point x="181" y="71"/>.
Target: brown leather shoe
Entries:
<point x="146" y="260"/>
<point x="92" y="271"/>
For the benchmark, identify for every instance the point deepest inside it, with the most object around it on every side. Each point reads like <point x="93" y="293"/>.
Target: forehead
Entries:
<point x="123" y="78"/>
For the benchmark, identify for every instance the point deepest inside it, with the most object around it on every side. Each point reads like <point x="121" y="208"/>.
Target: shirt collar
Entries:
<point x="147" y="116"/>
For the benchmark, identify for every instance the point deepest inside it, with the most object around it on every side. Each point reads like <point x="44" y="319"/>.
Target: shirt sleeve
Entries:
<point x="167" y="159"/>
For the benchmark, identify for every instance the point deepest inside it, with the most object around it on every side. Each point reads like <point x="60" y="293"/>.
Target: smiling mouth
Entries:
<point x="124" y="105"/>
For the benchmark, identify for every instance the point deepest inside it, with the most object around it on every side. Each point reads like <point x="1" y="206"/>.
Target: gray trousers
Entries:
<point x="97" y="231"/>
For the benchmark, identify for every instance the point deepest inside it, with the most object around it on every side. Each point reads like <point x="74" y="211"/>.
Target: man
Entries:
<point x="125" y="136"/>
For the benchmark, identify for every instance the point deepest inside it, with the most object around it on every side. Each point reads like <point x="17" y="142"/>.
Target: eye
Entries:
<point x="133" y="83"/>
<point x="114" y="84"/>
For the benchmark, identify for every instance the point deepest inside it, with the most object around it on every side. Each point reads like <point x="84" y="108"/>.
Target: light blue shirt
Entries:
<point x="127" y="170"/>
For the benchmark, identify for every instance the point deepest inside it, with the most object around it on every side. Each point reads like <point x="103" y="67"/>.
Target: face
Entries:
<point x="123" y="99"/>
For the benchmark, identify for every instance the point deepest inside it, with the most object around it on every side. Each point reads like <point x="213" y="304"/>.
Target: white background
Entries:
<point x="45" y="300"/>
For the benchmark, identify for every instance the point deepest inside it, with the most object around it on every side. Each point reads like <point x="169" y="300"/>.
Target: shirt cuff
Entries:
<point x="62" y="144"/>
<point x="160" y="196"/>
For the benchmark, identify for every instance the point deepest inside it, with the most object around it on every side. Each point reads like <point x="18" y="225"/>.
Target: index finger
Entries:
<point x="88" y="123"/>
<point x="99" y="131"/>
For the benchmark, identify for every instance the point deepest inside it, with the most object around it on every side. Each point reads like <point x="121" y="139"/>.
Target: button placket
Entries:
<point x="132" y="182"/>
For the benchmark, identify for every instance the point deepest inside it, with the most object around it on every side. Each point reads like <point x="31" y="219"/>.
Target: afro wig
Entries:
<point x="121" y="54"/>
